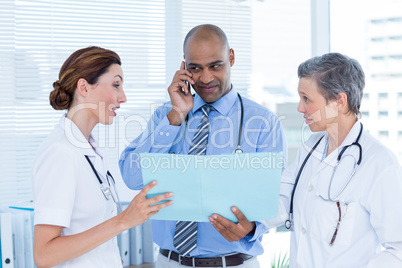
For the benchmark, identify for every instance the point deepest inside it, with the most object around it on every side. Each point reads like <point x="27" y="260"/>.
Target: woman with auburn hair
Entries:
<point x="76" y="204"/>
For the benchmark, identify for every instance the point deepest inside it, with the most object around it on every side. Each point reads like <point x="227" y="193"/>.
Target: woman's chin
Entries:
<point x="314" y="127"/>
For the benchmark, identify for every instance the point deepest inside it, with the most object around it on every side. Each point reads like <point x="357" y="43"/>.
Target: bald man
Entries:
<point x="207" y="64"/>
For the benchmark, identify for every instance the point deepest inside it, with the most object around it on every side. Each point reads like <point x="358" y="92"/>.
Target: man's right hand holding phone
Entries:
<point x="180" y="95"/>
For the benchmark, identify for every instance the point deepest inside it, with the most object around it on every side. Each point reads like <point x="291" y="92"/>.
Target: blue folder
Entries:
<point x="207" y="184"/>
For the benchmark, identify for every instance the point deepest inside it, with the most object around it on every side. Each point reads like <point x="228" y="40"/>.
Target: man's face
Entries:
<point x="209" y="61"/>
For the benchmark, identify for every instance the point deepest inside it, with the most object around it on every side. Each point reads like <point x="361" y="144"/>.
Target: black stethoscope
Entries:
<point x="107" y="192"/>
<point x="238" y="150"/>
<point x="289" y="222"/>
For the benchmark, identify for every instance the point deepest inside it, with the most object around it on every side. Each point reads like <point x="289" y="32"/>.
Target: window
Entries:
<point x="377" y="39"/>
<point x="378" y="21"/>
<point x="382" y="115"/>
<point x="370" y="32"/>
<point x="400" y="136"/>
<point x="397" y="20"/>
<point x="366" y="96"/>
<point x="382" y="99"/>
<point x="382" y="102"/>
<point x="396" y="57"/>
<point x="37" y="36"/>
<point x="399" y="101"/>
<point x="383" y="135"/>
<point x="42" y="34"/>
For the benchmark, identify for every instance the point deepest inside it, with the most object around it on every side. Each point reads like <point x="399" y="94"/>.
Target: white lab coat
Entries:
<point x="371" y="206"/>
<point x="67" y="193"/>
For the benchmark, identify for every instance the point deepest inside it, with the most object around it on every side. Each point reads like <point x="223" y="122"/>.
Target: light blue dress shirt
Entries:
<point x="261" y="132"/>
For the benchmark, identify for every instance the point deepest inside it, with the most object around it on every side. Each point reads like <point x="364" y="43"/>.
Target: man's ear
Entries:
<point x="231" y="57"/>
<point x="342" y="101"/>
<point x="82" y="87"/>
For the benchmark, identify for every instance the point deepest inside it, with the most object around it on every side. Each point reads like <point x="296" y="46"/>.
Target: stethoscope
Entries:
<point x="289" y="222"/>
<point x="238" y="150"/>
<point x="107" y="192"/>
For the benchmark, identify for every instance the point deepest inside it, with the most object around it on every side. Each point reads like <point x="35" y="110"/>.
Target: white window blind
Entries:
<point x="37" y="36"/>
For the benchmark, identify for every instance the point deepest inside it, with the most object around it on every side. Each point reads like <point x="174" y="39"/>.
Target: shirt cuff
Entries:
<point x="165" y="133"/>
<point x="260" y="229"/>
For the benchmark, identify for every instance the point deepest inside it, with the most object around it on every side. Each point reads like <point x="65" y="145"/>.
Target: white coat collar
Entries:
<point x="77" y="139"/>
<point x="350" y="138"/>
<point x="331" y="159"/>
<point x="352" y="135"/>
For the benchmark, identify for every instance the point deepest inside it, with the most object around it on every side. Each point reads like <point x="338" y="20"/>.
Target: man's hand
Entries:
<point x="232" y="231"/>
<point x="180" y="95"/>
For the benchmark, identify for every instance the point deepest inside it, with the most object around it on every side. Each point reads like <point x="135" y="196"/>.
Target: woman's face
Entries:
<point x="319" y="114"/>
<point x="108" y="94"/>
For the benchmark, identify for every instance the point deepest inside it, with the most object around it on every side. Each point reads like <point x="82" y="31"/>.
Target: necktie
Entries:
<point x="185" y="237"/>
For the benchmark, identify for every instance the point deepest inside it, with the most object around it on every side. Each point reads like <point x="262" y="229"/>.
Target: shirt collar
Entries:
<point x="222" y="105"/>
<point x="77" y="139"/>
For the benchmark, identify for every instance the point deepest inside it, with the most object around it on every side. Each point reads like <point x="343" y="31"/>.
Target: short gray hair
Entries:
<point x="336" y="73"/>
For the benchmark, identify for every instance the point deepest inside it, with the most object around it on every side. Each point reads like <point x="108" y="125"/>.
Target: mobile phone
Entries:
<point x="187" y="83"/>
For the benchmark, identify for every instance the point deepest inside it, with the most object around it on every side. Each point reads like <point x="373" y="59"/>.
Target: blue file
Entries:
<point x="207" y="184"/>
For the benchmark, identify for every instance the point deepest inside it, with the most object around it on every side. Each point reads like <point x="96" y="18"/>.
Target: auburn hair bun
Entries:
<point x="59" y="98"/>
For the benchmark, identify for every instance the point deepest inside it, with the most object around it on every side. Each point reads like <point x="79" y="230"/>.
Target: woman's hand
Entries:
<point x="50" y="248"/>
<point x="141" y="208"/>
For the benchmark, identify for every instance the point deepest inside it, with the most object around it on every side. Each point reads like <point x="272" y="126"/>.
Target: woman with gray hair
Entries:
<point x="341" y="198"/>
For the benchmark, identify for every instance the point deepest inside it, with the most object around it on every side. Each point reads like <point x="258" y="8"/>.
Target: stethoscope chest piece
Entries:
<point x="288" y="224"/>
<point x="106" y="191"/>
<point x="238" y="151"/>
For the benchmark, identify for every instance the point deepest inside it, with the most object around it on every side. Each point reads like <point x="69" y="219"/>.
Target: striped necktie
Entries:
<point x="185" y="237"/>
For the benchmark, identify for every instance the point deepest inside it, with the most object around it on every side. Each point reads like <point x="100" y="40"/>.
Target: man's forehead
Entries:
<point x="206" y="51"/>
<point x="210" y="39"/>
<point x="199" y="59"/>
